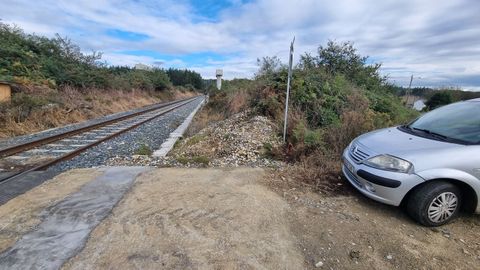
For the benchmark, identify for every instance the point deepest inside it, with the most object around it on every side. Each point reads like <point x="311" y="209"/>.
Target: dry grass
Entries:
<point x="41" y="109"/>
<point x="221" y="106"/>
<point x="314" y="155"/>
<point x="174" y="94"/>
<point x="319" y="170"/>
<point x="202" y="119"/>
<point x="320" y="166"/>
<point x="238" y="101"/>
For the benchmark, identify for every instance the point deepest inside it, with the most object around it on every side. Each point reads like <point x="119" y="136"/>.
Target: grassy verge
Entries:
<point x="200" y="160"/>
<point x="36" y="108"/>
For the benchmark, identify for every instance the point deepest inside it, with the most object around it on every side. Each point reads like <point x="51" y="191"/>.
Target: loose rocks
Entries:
<point x="241" y="140"/>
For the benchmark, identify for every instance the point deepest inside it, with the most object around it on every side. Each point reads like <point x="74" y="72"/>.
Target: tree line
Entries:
<point x="30" y="59"/>
<point x="435" y="98"/>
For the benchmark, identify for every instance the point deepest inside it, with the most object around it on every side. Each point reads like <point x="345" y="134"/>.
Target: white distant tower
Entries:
<point x="219" y="74"/>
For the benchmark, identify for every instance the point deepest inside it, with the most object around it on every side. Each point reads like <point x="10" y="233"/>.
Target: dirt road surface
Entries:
<point x="353" y="232"/>
<point x="244" y="219"/>
<point x="194" y="219"/>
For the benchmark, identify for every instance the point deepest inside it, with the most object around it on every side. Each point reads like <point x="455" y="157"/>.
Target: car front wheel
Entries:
<point x="435" y="203"/>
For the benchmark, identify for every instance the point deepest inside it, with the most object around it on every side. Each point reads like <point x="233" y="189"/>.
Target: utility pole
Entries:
<point x="290" y="63"/>
<point x="409" y="89"/>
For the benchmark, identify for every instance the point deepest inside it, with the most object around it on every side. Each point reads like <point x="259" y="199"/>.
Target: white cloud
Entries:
<point x="435" y="40"/>
<point x="128" y="60"/>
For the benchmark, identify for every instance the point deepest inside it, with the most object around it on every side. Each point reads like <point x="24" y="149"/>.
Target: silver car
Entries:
<point x="431" y="166"/>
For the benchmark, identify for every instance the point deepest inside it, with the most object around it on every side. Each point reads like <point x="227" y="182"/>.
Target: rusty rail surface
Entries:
<point x="39" y="142"/>
<point x="12" y="150"/>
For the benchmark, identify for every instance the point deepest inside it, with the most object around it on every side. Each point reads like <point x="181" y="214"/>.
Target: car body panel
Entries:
<point x="396" y="142"/>
<point x="448" y="173"/>
<point x="391" y="196"/>
<point x="431" y="159"/>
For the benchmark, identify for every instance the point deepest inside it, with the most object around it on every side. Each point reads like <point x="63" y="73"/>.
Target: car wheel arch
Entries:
<point x="469" y="196"/>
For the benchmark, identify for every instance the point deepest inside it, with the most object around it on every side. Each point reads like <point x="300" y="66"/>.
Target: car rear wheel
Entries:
<point x="435" y="203"/>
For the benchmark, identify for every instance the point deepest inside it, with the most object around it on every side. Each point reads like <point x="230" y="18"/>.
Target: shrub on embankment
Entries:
<point x="335" y="96"/>
<point x="29" y="59"/>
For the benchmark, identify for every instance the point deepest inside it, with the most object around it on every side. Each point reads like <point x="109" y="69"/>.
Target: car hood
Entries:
<point x="401" y="144"/>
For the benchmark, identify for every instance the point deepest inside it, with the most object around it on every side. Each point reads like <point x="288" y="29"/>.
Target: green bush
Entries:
<point x="143" y="150"/>
<point x="203" y="160"/>
<point x="439" y="99"/>
<point x="333" y="88"/>
<point x="308" y="137"/>
<point x="36" y="60"/>
<point x="25" y="104"/>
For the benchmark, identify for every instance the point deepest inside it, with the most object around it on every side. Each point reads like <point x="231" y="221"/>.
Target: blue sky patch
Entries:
<point x="210" y="9"/>
<point x="192" y="59"/>
<point x="126" y="35"/>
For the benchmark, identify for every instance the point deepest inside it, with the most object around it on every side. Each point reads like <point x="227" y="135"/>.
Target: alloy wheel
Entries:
<point x="442" y="207"/>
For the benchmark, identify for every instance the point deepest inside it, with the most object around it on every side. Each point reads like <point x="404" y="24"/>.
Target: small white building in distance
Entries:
<point x="143" y="67"/>
<point x="419" y="105"/>
<point x="219" y="75"/>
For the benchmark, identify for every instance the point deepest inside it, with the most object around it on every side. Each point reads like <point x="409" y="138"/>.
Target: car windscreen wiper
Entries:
<point x="433" y="134"/>
<point x="438" y="135"/>
<point x="430" y="132"/>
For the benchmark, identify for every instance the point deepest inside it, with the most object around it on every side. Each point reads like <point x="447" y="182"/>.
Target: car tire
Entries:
<point x="435" y="203"/>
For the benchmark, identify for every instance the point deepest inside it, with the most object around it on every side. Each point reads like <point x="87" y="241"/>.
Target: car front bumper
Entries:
<point x="380" y="185"/>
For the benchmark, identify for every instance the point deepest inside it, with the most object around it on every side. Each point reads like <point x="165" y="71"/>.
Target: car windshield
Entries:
<point x="459" y="121"/>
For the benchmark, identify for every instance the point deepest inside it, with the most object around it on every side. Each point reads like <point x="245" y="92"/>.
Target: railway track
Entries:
<point x="37" y="155"/>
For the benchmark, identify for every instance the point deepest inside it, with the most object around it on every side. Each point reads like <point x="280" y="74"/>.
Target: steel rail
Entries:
<point x="77" y="151"/>
<point x="12" y="150"/>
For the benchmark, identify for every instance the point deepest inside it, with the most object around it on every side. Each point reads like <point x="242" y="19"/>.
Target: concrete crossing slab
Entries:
<point x="65" y="226"/>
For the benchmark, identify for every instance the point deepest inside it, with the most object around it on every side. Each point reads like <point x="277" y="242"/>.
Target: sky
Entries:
<point x="438" y="41"/>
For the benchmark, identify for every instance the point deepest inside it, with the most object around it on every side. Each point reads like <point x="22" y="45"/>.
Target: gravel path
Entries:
<point x="151" y="134"/>
<point x="4" y="143"/>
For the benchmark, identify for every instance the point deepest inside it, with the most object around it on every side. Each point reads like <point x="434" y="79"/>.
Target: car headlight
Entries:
<point x="389" y="163"/>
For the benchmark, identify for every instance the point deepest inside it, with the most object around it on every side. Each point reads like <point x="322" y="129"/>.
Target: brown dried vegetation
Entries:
<point x="35" y="109"/>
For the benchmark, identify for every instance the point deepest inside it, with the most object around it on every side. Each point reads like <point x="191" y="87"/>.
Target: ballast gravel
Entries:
<point x="4" y="143"/>
<point x="147" y="137"/>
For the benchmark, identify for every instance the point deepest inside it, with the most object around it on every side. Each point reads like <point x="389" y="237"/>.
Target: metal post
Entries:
<point x="408" y="91"/>
<point x="290" y="62"/>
